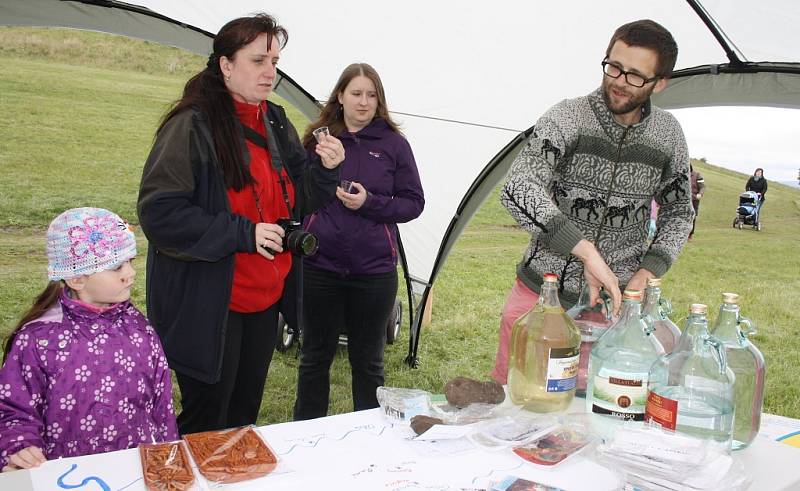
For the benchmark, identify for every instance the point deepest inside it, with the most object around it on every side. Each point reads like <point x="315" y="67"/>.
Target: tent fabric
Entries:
<point x="467" y="80"/>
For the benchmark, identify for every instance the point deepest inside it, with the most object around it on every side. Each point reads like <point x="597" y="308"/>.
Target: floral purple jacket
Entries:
<point x="77" y="382"/>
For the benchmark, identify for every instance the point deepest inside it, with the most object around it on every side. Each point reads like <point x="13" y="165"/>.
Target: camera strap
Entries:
<point x="275" y="157"/>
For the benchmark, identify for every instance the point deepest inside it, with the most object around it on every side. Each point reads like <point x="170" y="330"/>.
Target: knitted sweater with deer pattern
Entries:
<point x="583" y="175"/>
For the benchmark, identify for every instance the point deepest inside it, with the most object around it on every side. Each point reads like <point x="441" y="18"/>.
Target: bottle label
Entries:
<point x="562" y="369"/>
<point x="661" y="410"/>
<point x="620" y="394"/>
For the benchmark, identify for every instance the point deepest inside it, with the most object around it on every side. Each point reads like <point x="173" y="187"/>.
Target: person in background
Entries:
<point x="84" y="372"/>
<point x="226" y="165"/>
<point x="698" y="188"/>
<point x="758" y="184"/>
<point x="582" y="185"/>
<point x="351" y="283"/>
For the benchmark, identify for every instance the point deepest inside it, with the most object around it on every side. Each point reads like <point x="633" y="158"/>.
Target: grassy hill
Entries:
<point x="79" y="112"/>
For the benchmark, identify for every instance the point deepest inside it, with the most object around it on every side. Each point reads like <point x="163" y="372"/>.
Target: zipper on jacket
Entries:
<point x="611" y="185"/>
<point x="389" y="237"/>
<point x="310" y="221"/>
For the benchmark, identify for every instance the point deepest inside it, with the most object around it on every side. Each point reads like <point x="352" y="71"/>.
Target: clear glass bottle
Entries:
<point x="620" y="361"/>
<point x="592" y="321"/>
<point x="691" y="389"/>
<point x="747" y="364"/>
<point x="659" y="308"/>
<point x="543" y="364"/>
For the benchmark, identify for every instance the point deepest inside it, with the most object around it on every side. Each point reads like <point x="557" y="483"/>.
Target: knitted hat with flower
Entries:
<point x="84" y="241"/>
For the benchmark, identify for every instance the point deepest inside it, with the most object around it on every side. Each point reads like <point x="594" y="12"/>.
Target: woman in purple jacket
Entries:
<point x="352" y="280"/>
<point x="84" y="372"/>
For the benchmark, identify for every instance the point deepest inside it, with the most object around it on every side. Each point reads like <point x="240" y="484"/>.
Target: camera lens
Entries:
<point x="301" y="242"/>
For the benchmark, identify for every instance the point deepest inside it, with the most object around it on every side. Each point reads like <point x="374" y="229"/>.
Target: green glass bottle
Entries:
<point x="659" y="308"/>
<point x="543" y="364"/>
<point x="620" y="362"/>
<point x="592" y="321"/>
<point x="747" y="364"/>
<point x="691" y="389"/>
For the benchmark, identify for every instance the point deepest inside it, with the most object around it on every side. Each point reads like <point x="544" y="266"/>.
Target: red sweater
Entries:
<point x="257" y="281"/>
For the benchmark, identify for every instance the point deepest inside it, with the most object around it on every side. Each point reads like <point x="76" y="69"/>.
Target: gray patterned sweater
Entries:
<point x="583" y="175"/>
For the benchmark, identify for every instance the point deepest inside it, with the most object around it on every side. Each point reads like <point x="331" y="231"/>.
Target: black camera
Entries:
<point x="295" y="239"/>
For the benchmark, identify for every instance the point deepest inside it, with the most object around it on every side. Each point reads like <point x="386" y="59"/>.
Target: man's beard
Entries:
<point x="633" y="103"/>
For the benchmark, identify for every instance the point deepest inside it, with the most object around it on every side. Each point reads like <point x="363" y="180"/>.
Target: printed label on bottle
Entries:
<point x="620" y="394"/>
<point x="662" y="410"/>
<point x="562" y="369"/>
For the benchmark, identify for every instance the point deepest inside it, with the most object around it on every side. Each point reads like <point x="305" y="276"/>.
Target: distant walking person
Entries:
<point x="758" y="184"/>
<point x="698" y="188"/>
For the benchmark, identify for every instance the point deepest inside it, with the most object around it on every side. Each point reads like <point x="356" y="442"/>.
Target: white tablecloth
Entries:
<point x="364" y="450"/>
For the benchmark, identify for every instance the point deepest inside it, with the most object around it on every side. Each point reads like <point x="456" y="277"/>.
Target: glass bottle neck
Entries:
<point x="695" y="329"/>
<point x="652" y="296"/>
<point x="727" y="326"/>
<point x="549" y="295"/>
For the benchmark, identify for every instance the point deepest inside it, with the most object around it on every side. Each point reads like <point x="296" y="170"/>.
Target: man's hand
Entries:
<point x="639" y="280"/>
<point x="598" y="274"/>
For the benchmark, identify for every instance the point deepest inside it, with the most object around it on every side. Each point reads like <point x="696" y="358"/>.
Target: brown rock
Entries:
<point x="462" y="392"/>
<point x="420" y="423"/>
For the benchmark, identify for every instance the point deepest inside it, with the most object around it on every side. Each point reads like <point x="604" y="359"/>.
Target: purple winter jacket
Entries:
<point x="79" y="382"/>
<point x="364" y="241"/>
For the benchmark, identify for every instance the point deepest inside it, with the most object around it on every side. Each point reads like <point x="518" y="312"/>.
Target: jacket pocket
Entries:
<point x="391" y="242"/>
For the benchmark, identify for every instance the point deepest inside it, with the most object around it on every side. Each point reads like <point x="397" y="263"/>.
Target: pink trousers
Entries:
<point x="520" y="300"/>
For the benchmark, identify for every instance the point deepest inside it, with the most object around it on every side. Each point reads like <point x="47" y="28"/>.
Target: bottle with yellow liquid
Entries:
<point x="545" y="347"/>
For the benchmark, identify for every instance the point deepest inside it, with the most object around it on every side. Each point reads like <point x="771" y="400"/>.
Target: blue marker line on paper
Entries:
<point x="63" y="485"/>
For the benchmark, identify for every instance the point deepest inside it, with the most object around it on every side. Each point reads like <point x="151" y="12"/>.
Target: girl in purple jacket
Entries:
<point x="83" y="372"/>
<point x="351" y="282"/>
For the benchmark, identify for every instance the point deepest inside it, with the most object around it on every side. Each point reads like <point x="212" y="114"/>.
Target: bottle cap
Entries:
<point x="653" y="281"/>
<point x="550" y="277"/>
<point x="632" y="295"/>
<point x="698" y="308"/>
<point x="730" y="298"/>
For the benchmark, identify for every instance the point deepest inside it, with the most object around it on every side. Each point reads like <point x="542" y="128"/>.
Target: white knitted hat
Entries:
<point x="84" y="241"/>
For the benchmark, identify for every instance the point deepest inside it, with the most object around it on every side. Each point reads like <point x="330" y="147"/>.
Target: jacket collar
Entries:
<point x="377" y="128"/>
<point x="605" y="115"/>
<point x="77" y="308"/>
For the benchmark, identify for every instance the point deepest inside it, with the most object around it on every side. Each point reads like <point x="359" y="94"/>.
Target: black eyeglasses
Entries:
<point x="614" y="71"/>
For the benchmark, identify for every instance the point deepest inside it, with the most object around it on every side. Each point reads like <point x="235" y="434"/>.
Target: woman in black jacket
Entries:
<point x="225" y="167"/>
<point x="758" y="184"/>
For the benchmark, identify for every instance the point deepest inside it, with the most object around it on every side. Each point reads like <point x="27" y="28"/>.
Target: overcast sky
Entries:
<point x="744" y="138"/>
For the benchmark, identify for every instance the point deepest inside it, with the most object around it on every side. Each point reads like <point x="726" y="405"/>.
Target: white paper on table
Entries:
<point x="777" y="427"/>
<point x="113" y="470"/>
<point x="445" y="432"/>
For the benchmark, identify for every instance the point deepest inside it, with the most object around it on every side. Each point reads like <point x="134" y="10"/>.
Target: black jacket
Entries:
<point x="193" y="237"/>
<point x="759" y="186"/>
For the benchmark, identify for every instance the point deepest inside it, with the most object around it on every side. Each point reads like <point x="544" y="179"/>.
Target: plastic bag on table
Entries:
<point x="400" y="404"/>
<point x="512" y="430"/>
<point x="565" y="440"/>
<point x="653" y="458"/>
<point x="166" y="467"/>
<point x="232" y="455"/>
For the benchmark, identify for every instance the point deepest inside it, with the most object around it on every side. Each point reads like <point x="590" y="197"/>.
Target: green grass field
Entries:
<point x="78" y="115"/>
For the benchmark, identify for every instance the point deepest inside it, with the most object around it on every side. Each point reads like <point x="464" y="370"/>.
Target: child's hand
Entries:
<point x="26" y="458"/>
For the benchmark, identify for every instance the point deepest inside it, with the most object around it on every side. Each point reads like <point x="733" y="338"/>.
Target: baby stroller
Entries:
<point x="747" y="211"/>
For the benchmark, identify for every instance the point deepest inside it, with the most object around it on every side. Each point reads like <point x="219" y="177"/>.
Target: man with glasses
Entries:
<point x="583" y="184"/>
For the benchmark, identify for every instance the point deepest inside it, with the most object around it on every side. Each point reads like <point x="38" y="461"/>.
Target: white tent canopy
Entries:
<point x="467" y="80"/>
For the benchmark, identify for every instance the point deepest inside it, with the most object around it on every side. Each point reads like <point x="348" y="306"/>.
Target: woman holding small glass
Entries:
<point x="351" y="283"/>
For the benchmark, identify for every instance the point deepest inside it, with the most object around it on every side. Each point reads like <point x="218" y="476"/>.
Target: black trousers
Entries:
<point x="236" y="398"/>
<point x="696" y="206"/>
<point x="359" y="304"/>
